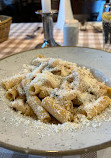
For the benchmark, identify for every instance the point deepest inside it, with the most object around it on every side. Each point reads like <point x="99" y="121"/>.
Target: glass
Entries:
<point x="70" y="33"/>
<point x="106" y="23"/>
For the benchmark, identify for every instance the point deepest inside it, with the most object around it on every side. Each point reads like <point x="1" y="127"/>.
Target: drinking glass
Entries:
<point x="106" y="23"/>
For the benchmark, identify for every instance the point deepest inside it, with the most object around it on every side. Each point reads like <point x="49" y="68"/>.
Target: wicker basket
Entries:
<point x="5" y="22"/>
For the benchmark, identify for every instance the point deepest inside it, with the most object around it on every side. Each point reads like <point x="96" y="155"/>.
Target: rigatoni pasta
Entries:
<point x="57" y="91"/>
<point x="57" y="111"/>
<point x="93" y="109"/>
<point x="34" y="89"/>
<point x="35" y="103"/>
<point x="44" y="93"/>
<point x="20" y="90"/>
<point x="22" y="107"/>
<point x="12" y="94"/>
<point x="11" y="82"/>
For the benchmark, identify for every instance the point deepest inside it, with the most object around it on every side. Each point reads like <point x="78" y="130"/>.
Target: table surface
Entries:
<point x="18" y="41"/>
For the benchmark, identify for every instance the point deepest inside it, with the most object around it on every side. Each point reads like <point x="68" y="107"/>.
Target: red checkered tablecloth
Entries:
<point x="18" y="40"/>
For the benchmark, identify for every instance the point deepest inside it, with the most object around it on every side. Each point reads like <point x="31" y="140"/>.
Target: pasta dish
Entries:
<point x="56" y="91"/>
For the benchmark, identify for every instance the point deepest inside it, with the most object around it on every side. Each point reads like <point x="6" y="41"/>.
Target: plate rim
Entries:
<point x="56" y="153"/>
<point x="55" y="47"/>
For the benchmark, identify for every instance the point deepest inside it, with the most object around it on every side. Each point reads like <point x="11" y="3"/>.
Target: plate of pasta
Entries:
<point x="56" y="101"/>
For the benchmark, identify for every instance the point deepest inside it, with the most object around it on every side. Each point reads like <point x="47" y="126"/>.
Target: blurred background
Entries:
<point x="24" y="10"/>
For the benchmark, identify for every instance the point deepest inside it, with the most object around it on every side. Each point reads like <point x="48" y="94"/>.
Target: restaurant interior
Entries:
<point x="24" y="10"/>
<point x="33" y="33"/>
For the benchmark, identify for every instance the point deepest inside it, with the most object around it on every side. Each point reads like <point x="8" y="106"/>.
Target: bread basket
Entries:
<point x="5" y="22"/>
